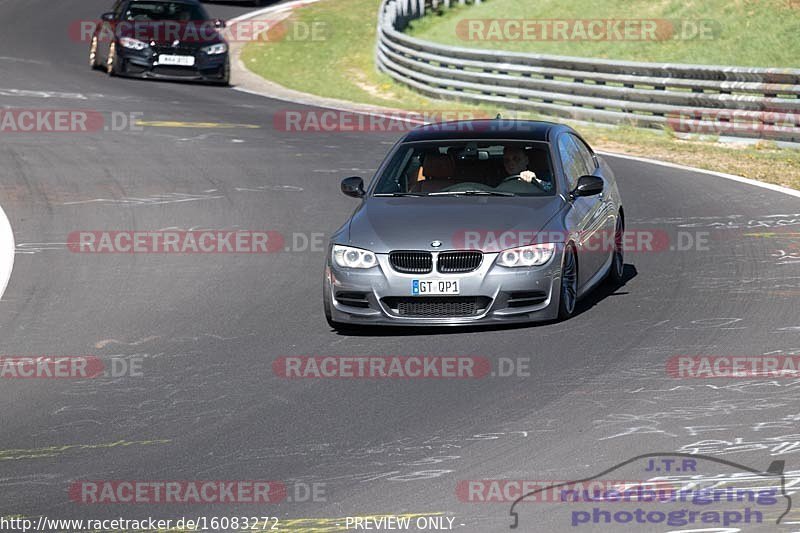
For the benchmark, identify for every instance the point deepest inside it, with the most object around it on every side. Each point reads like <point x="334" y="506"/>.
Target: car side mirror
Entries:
<point x="353" y="187"/>
<point x="108" y="17"/>
<point x="219" y="24"/>
<point x="588" y="186"/>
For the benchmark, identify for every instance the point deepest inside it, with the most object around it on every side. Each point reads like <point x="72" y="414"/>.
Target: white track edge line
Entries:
<point x="733" y="177"/>
<point x="271" y="9"/>
<point x="7" y="250"/>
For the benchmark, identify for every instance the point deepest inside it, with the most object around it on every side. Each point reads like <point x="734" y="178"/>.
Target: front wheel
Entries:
<point x="226" y="77"/>
<point x="569" y="283"/>
<point x="617" y="270"/>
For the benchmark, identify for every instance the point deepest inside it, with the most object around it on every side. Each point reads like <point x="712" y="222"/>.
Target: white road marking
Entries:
<point x="43" y="94"/>
<point x="35" y="247"/>
<point x="7" y="248"/>
<point x="21" y="60"/>
<point x="159" y="199"/>
<point x="263" y="188"/>
<point x="288" y="6"/>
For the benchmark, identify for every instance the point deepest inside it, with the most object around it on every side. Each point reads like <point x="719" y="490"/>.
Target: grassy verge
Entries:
<point x="342" y="66"/>
<point x="763" y="161"/>
<point x="759" y="33"/>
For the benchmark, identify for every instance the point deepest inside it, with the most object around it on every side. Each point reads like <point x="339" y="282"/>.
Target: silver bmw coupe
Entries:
<point x="476" y="222"/>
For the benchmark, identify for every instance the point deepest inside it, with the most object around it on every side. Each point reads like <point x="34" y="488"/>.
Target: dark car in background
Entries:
<point x="166" y="39"/>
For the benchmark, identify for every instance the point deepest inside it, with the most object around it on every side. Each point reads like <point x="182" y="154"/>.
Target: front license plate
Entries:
<point x="182" y="61"/>
<point x="420" y="287"/>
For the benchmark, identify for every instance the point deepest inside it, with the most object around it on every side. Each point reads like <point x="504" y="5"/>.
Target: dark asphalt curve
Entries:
<point x="207" y="328"/>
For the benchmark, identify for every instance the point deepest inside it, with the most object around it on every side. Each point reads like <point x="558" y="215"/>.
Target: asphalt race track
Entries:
<point x="206" y="329"/>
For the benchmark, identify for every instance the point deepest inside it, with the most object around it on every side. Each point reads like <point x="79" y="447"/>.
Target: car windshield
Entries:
<point x="492" y="168"/>
<point x="155" y="11"/>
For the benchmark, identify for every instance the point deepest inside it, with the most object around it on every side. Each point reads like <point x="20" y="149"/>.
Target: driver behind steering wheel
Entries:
<point x="515" y="162"/>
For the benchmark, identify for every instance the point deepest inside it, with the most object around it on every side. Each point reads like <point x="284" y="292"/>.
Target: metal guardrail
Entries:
<point x="731" y="101"/>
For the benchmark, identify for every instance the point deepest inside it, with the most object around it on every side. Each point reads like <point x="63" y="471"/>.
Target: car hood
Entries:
<point x="412" y="223"/>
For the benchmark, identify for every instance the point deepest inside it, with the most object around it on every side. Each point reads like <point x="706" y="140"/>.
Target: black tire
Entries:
<point x="616" y="273"/>
<point x="226" y="79"/>
<point x="568" y="297"/>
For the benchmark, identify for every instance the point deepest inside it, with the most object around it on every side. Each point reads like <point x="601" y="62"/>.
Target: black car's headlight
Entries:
<point x="133" y="44"/>
<point x="215" y="49"/>
<point x="527" y="256"/>
<point x="349" y="257"/>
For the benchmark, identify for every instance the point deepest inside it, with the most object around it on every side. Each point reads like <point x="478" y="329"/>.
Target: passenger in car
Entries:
<point x="437" y="171"/>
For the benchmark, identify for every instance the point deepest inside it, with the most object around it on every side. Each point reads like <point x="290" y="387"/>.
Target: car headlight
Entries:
<point x="133" y="44"/>
<point x="527" y="256"/>
<point x="215" y="49"/>
<point x="346" y="256"/>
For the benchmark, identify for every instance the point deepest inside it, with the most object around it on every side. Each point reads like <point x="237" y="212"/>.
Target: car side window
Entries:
<point x="572" y="161"/>
<point x="586" y="154"/>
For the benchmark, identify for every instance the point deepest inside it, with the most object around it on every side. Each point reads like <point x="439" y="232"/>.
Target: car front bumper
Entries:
<point x="489" y="295"/>
<point x="143" y="64"/>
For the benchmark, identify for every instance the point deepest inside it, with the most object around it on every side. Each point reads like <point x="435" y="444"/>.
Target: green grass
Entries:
<point x="763" y="33"/>
<point x="763" y="161"/>
<point x="342" y="66"/>
<point x="342" y="63"/>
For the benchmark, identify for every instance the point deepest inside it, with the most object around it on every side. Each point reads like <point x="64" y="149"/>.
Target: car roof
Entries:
<point x="498" y="128"/>
<point x="194" y="2"/>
